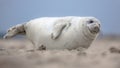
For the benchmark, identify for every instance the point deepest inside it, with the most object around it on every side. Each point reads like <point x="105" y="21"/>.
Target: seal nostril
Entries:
<point x="96" y="28"/>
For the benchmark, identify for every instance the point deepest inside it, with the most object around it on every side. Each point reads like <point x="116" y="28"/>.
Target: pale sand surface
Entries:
<point x="103" y="53"/>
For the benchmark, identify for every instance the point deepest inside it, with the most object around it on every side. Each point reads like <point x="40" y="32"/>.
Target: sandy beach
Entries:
<point x="103" y="53"/>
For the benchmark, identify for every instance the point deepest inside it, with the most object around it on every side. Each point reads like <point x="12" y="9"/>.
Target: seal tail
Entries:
<point x="15" y="30"/>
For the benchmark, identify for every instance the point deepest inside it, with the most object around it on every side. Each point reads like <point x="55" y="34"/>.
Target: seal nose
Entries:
<point x="96" y="29"/>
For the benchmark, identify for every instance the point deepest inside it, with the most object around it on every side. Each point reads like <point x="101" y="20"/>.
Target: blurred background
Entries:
<point x="103" y="53"/>
<point x="14" y="12"/>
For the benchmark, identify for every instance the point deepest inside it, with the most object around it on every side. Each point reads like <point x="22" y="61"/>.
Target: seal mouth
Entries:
<point x="94" y="30"/>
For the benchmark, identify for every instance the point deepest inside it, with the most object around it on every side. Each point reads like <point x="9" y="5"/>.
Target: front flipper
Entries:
<point x="58" y="28"/>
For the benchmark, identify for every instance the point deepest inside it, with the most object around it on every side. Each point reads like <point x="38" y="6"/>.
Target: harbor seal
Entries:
<point x="69" y="32"/>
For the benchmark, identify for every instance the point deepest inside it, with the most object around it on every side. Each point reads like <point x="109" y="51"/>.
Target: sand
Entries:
<point x="103" y="53"/>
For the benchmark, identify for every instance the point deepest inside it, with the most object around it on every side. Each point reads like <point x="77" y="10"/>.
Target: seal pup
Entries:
<point x="69" y="32"/>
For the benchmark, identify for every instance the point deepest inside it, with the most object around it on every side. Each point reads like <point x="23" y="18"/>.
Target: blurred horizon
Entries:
<point x="19" y="11"/>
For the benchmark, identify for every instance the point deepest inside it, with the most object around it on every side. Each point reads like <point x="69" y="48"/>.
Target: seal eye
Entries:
<point x="91" y="21"/>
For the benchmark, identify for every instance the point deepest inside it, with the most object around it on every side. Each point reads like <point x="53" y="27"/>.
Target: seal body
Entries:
<point x="73" y="36"/>
<point x="59" y="32"/>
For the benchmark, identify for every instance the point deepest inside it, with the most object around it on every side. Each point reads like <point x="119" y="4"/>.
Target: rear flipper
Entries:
<point x="58" y="28"/>
<point x="15" y="30"/>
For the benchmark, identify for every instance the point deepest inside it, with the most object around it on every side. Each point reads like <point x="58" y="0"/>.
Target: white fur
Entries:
<point x="39" y="32"/>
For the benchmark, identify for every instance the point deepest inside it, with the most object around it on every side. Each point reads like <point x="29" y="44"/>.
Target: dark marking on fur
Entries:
<point x="42" y="47"/>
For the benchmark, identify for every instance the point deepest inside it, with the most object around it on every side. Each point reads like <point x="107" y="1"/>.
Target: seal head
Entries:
<point x="93" y="25"/>
<point x="90" y="27"/>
